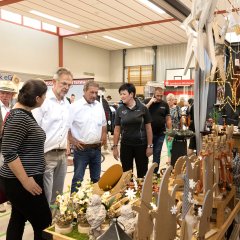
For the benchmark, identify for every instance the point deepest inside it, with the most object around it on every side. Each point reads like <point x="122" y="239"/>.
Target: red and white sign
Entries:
<point x="176" y="77"/>
<point x="180" y="82"/>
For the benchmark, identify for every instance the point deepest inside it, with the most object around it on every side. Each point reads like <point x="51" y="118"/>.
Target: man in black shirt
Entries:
<point x="160" y="114"/>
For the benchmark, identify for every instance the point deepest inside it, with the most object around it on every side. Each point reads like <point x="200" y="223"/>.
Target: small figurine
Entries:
<point x="127" y="219"/>
<point x="95" y="215"/>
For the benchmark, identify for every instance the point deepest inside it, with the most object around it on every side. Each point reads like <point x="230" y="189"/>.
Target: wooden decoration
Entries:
<point x="144" y="225"/>
<point x="188" y="225"/>
<point x="118" y="186"/>
<point x="110" y="177"/>
<point x="187" y="190"/>
<point x="204" y="224"/>
<point x="165" y="218"/>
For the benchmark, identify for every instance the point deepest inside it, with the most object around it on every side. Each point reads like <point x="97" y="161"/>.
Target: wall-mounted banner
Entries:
<point x="76" y="88"/>
<point x="6" y="76"/>
<point x="80" y="81"/>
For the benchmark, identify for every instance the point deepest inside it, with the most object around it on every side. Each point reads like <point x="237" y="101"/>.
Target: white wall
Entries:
<point x="27" y="50"/>
<point x="116" y="74"/>
<point x="80" y="58"/>
<point x="170" y="56"/>
<point x="116" y="66"/>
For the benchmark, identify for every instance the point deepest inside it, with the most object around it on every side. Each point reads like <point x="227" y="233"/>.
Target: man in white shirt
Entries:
<point x="88" y="132"/>
<point x="53" y="117"/>
<point x="7" y="90"/>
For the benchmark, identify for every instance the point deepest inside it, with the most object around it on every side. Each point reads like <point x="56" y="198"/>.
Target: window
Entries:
<point x="10" y="16"/>
<point x="30" y="22"/>
<point x="49" y="27"/>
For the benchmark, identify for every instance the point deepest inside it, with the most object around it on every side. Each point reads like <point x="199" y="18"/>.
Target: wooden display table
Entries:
<point x="220" y="205"/>
<point x="222" y="230"/>
<point x="58" y="236"/>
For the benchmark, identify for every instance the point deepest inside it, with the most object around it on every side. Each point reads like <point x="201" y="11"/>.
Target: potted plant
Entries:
<point x="65" y="213"/>
<point x="80" y="202"/>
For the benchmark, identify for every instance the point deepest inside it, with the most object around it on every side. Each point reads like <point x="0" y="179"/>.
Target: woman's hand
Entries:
<point x="115" y="153"/>
<point x="169" y="138"/>
<point x="149" y="151"/>
<point x="31" y="186"/>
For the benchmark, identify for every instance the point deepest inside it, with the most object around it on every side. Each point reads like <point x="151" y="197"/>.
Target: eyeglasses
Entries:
<point x="65" y="84"/>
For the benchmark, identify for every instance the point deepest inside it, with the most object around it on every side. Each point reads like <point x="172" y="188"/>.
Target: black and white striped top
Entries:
<point x="23" y="138"/>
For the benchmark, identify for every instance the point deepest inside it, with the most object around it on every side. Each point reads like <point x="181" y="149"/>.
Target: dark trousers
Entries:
<point x="83" y="158"/>
<point x="157" y="149"/>
<point x="128" y="153"/>
<point x="26" y="207"/>
<point x="179" y="148"/>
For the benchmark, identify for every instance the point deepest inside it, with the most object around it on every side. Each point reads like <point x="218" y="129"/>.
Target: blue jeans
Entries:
<point x="82" y="158"/>
<point x="157" y="148"/>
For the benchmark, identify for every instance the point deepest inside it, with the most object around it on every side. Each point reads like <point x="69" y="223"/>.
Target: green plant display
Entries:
<point x="215" y="115"/>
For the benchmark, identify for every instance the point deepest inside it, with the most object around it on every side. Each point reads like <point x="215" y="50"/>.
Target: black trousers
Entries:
<point x="130" y="152"/>
<point x="26" y="207"/>
<point x="179" y="148"/>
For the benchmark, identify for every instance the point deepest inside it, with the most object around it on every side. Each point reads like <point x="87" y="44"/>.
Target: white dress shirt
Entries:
<point x="53" y="117"/>
<point x="87" y="120"/>
<point x="4" y="110"/>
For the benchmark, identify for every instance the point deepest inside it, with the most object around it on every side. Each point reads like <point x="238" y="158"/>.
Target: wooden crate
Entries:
<point x="57" y="236"/>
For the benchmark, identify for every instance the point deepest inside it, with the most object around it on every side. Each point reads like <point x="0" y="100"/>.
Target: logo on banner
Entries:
<point x="75" y="81"/>
<point x="6" y="76"/>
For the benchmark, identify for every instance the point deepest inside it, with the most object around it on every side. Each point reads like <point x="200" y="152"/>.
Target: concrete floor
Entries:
<point x="109" y="161"/>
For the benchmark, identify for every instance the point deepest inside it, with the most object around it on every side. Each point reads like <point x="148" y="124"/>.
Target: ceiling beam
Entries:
<point x="7" y="2"/>
<point x="122" y="27"/>
<point x="174" y="8"/>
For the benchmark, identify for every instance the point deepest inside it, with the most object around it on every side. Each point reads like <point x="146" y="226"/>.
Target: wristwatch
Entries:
<point x="150" y="146"/>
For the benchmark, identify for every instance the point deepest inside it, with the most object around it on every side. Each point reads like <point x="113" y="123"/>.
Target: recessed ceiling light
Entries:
<point x="117" y="40"/>
<point x="40" y="14"/>
<point x="153" y="6"/>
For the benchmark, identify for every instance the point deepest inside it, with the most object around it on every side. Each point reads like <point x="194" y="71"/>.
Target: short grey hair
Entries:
<point x="89" y="84"/>
<point x="60" y="72"/>
<point x="170" y="96"/>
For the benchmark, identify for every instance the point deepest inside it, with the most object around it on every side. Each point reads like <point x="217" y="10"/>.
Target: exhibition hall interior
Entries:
<point x="120" y="119"/>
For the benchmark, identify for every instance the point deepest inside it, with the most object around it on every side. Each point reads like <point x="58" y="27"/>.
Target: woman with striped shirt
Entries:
<point x="23" y="168"/>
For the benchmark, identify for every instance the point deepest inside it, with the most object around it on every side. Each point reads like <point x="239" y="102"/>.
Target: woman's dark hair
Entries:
<point x="30" y="90"/>
<point x="129" y="87"/>
<point x="190" y="101"/>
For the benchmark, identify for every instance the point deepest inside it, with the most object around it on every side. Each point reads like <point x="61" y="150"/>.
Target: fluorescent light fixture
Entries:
<point x="117" y="40"/>
<point x="152" y="6"/>
<point x="40" y="14"/>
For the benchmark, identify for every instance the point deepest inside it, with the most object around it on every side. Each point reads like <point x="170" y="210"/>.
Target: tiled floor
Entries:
<point x="109" y="161"/>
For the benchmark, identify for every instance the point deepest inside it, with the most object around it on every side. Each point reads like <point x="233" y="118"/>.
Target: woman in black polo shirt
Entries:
<point x="24" y="164"/>
<point x="133" y="121"/>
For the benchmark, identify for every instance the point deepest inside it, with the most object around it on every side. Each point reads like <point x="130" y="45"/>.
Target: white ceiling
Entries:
<point x="93" y="15"/>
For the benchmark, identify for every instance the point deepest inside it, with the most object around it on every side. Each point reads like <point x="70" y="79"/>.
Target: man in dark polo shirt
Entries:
<point x="161" y="119"/>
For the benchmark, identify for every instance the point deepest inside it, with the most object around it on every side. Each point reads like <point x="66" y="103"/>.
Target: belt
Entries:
<point x="95" y="145"/>
<point x="57" y="150"/>
<point x="179" y="140"/>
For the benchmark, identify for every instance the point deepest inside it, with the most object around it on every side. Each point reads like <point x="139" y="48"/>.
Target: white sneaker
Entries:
<point x="2" y="208"/>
